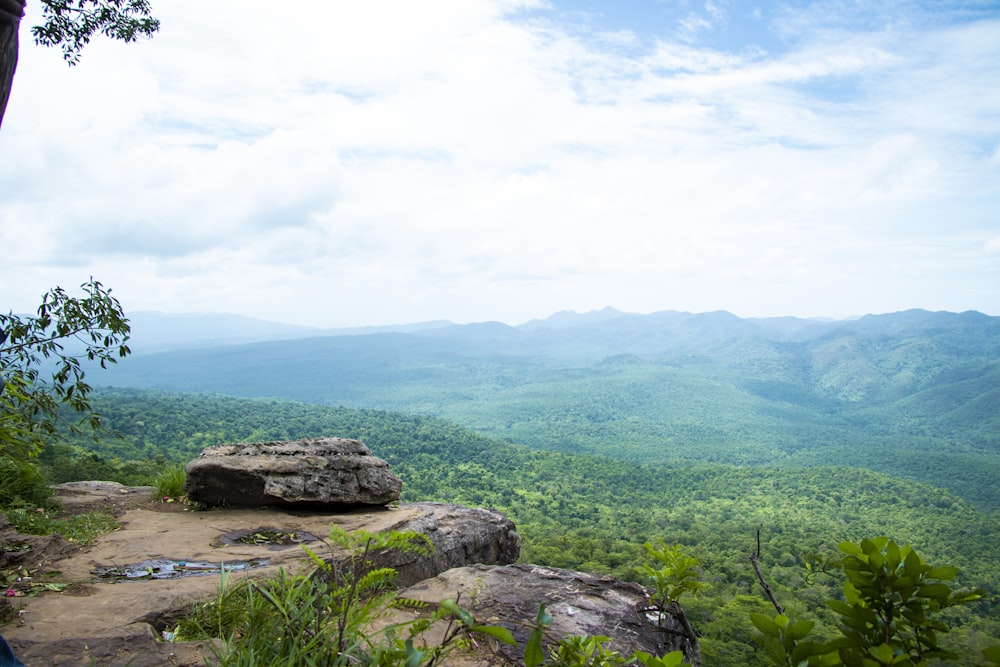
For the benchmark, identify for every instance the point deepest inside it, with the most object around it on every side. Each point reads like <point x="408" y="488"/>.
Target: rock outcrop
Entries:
<point x="108" y="622"/>
<point x="579" y="604"/>
<point x="323" y="473"/>
<point x="460" y="535"/>
<point x="116" y="623"/>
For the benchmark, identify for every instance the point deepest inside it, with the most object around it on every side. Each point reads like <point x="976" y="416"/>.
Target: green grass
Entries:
<point x="80" y="529"/>
<point x="170" y="482"/>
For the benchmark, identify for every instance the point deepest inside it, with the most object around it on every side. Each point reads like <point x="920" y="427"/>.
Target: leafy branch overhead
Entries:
<point x="70" y="24"/>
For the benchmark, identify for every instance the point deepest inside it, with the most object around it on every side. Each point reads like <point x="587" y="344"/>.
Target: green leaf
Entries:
<point x="935" y="591"/>
<point x="498" y="632"/>
<point x="942" y="572"/>
<point x="672" y="659"/>
<point x="452" y="607"/>
<point x="543" y="618"/>
<point x="850" y="548"/>
<point x="992" y="654"/>
<point x="799" y="629"/>
<point x="533" y="654"/>
<point x="893" y="556"/>
<point x="884" y="653"/>
<point x="765" y="625"/>
<point x="414" y="656"/>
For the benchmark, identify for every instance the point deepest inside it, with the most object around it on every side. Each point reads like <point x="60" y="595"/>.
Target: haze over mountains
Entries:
<point x="913" y="393"/>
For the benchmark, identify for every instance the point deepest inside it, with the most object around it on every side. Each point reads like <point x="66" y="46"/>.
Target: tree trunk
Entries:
<point x="11" y="12"/>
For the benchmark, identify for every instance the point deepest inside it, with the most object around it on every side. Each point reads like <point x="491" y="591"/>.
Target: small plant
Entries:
<point x="586" y="651"/>
<point x="677" y="575"/>
<point x="32" y="520"/>
<point x="83" y="529"/>
<point x="21" y="482"/>
<point x="169" y="484"/>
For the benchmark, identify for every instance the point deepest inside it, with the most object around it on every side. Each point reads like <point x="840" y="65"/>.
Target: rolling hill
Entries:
<point x="915" y="394"/>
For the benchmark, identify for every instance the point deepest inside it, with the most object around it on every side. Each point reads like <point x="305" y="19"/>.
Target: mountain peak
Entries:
<point x="571" y="318"/>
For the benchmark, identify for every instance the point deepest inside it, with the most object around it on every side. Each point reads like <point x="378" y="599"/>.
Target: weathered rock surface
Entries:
<point x="580" y="604"/>
<point x="100" y="622"/>
<point x="323" y="473"/>
<point x="460" y="536"/>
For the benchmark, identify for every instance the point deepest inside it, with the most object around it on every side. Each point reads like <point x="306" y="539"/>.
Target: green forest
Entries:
<point x="911" y="394"/>
<point x="594" y="513"/>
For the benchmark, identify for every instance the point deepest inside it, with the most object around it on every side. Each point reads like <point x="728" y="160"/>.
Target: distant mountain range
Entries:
<point x="156" y="332"/>
<point x="913" y="393"/>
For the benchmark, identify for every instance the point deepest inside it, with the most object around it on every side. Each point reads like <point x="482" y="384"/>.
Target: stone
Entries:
<point x="579" y="604"/>
<point x="322" y="473"/>
<point x="460" y="535"/>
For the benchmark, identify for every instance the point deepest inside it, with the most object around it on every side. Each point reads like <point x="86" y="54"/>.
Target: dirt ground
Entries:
<point x="101" y="617"/>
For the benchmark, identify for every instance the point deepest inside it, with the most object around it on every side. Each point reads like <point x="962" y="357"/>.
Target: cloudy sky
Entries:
<point x="356" y="162"/>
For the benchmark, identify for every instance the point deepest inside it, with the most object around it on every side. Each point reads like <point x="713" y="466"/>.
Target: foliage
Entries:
<point x="784" y="641"/>
<point x="328" y="616"/>
<point x="169" y="484"/>
<point x="892" y="604"/>
<point x="71" y="23"/>
<point x="890" y="614"/>
<point x="22" y="482"/>
<point x="29" y="404"/>
<point x="587" y="651"/>
<point x="675" y="576"/>
<point x="65" y="331"/>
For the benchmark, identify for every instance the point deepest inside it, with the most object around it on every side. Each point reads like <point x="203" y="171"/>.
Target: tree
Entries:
<point x="65" y="331"/>
<point x="70" y="24"/>
<point x="11" y="12"/>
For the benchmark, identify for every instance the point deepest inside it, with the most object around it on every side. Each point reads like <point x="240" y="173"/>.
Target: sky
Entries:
<point x="367" y="162"/>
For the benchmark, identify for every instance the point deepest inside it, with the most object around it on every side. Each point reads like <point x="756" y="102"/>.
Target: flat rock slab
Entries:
<point x="321" y="473"/>
<point x="97" y="621"/>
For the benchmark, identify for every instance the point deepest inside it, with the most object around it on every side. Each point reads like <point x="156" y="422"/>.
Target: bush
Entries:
<point x="21" y="482"/>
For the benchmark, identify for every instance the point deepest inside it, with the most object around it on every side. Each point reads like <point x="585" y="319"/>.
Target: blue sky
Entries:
<point x="378" y="162"/>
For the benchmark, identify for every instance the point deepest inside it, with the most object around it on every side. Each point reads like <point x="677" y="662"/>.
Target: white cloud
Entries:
<point x="357" y="163"/>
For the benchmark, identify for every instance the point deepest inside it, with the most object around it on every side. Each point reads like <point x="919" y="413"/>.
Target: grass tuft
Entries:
<point x="170" y="482"/>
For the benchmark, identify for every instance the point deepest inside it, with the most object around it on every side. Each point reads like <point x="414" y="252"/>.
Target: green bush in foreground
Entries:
<point x="890" y="614"/>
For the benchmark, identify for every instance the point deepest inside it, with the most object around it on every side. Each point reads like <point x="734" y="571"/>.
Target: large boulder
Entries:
<point x="323" y="473"/>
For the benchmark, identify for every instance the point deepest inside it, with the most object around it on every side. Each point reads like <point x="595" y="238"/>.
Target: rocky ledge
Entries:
<point x="113" y="623"/>
<point x="116" y="597"/>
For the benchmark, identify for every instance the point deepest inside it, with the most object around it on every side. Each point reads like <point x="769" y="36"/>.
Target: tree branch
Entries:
<point x="754" y="558"/>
